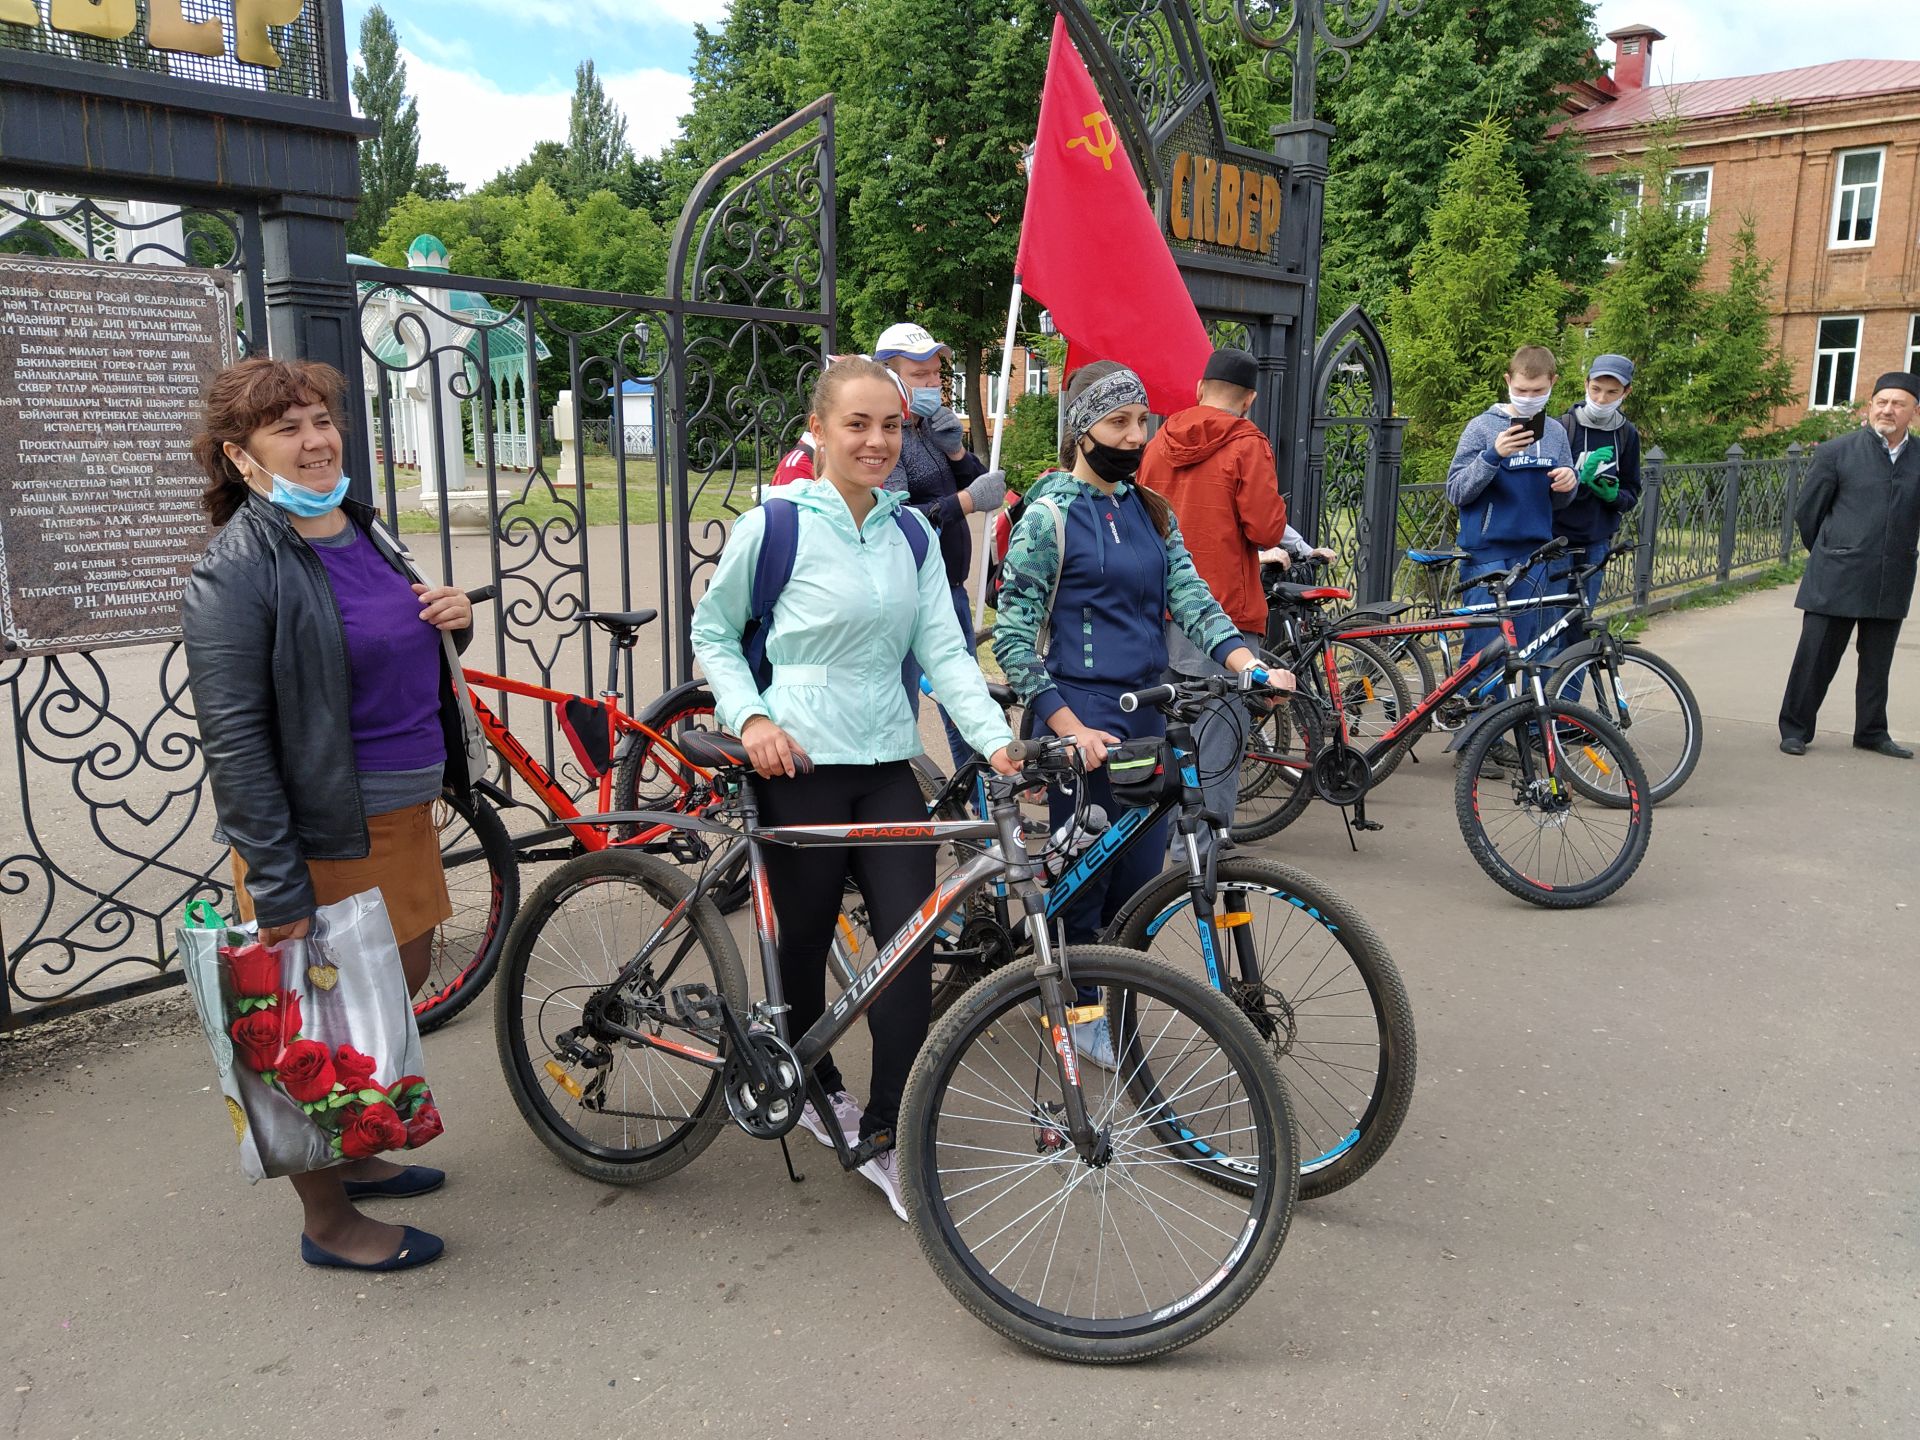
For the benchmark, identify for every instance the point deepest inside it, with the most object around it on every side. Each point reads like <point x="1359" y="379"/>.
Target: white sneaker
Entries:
<point x="884" y="1170"/>
<point x="846" y="1113"/>
<point x="1094" y="1043"/>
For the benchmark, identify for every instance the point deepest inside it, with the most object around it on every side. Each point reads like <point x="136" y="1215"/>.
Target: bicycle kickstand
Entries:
<point x="787" y="1155"/>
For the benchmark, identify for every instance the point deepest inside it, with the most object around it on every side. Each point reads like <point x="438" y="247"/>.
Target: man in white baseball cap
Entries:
<point x="942" y="480"/>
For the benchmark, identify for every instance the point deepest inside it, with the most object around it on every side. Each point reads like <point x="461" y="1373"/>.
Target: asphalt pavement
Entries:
<point x="1659" y="1178"/>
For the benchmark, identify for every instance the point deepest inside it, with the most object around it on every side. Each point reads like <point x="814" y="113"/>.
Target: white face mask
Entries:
<point x="1526" y="406"/>
<point x="1603" y="412"/>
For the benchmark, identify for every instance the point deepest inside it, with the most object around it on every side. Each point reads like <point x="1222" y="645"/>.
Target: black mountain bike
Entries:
<point x="1089" y="1213"/>
<point x="1550" y="797"/>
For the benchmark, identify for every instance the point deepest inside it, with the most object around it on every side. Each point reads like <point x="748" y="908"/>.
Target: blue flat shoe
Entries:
<point x="414" y="1180"/>
<point x="417" y="1248"/>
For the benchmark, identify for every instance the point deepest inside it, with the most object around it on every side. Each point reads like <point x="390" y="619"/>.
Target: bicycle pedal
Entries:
<point x="695" y="1006"/>
<point x="877" y="1143"/>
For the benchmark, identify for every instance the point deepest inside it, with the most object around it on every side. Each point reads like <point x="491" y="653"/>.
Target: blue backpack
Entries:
<point x="779" y="543"/>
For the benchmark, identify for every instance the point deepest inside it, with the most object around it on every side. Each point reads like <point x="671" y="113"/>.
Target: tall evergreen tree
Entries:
<point x="1414" y="87"/>
<point x="598" y="155"/>
<point x="1744" y="377"/>
<point x="390" y="157"/>
<point x="1650" y="306"/>
<point x="1476" y="296"/>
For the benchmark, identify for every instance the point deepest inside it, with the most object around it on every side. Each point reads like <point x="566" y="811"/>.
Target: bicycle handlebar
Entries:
<point x="483" y="594"/>
<point x="1206" y="687"/>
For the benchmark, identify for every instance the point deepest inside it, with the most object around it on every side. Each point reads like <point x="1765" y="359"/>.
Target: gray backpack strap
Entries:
<point x="1043" y="637"/>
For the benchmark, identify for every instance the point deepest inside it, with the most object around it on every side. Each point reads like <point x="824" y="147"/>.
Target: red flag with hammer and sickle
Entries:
<point x="1091" y="250"/>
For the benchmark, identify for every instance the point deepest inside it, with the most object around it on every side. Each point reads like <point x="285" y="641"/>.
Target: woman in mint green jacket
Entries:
<point x="831" y="734"/>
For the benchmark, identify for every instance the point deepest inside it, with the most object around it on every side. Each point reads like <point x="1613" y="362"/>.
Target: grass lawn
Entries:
<point x="603" y="494"/>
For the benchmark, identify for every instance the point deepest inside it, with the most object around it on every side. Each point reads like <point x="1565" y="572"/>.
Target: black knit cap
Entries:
<point x="1899" y="380"/>
<point x="1233" y="367"/>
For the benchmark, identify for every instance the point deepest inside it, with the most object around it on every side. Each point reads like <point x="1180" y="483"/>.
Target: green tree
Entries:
<point x="932" y="125"/>
<point x="1743" y="377"/>
<point x="597" y="149"/>
<point x="1424" y="80"/>
<point x="742" y="87"/>
<point x="390" y="157"/>
<point x="432" y="182"/>
<point x="1476" y="296"/>
<point x="1651" y="306"/>
<point x="1032" y="446"/>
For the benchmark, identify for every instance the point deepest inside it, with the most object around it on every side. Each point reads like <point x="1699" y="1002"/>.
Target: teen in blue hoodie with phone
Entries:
<point x="1507" y="480"/>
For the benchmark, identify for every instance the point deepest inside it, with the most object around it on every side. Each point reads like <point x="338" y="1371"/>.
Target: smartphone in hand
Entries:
<point x="1535" y="423"/>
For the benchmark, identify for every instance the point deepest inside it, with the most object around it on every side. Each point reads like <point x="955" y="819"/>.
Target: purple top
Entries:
<point x="393" y="654"/>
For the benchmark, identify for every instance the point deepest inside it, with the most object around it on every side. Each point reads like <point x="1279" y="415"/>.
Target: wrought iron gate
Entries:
<point x="115" y="828"/>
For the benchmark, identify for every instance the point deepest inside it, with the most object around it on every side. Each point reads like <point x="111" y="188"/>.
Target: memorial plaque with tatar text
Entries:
<point x="101" y="372"/>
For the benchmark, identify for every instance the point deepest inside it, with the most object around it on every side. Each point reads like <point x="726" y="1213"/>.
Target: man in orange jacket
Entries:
<point x="1217" y="469"/>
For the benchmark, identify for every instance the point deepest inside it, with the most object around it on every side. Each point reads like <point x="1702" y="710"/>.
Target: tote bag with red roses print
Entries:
<point x="313" y="1040"/>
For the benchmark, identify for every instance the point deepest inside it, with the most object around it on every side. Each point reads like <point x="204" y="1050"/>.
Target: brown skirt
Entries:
<point x="403" y="865"/>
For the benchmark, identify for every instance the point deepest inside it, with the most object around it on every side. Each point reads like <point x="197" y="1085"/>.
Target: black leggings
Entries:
<point x="807" y="887"/>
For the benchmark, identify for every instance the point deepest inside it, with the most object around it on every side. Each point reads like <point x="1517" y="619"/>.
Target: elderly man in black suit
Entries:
<point x="1860" y="517"/>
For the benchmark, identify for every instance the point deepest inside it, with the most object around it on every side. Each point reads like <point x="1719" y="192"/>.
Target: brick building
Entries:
<point x="1826" y="161"/>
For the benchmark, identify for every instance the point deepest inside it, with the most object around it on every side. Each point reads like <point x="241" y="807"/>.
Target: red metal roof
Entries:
<point x="1699" y="99"/>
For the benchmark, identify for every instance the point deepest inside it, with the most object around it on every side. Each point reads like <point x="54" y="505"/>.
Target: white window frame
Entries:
<point x="1701" y="208"/>
<point x="1853" y="380"/>
<point x="1037" y="376"/>
<point x="1913" y="343"/>
<point x="1617" y="225"/>
<point x="959" y="383"/>
<point x="1841" y="190"/>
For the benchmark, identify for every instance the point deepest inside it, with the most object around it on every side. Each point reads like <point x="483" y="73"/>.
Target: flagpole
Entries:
<point x="999" y="418"/>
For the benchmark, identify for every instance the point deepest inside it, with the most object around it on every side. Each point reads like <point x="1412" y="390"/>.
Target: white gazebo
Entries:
<point x="402" y="330"/>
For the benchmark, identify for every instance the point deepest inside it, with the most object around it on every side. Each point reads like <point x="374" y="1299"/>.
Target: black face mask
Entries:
<point x="1111" y="464"/>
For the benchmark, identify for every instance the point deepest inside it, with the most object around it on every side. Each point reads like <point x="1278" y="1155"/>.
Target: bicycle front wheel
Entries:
<point x="1126" y="1253"/>
<point x="483" y="882"/>
<point x="607" y="1106"/>
<point x="1321" y="989"/>
<point x="1650" y="704"/>
<point x="1530" y="822"/>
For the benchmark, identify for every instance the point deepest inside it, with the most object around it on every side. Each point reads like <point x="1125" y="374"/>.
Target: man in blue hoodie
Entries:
<point x="1507" y="483"/>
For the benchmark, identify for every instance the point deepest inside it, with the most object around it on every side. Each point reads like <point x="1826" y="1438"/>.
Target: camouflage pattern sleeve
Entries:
<point x="1192" y="605"/>
<point x="1027" y="579"/>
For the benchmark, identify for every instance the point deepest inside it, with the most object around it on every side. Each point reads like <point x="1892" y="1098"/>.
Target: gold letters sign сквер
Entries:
<point x="168" y="27"/>
<point x="1221" y="203"/>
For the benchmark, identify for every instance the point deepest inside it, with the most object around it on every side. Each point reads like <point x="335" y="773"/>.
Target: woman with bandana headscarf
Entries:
<point x="1103" y="595"/>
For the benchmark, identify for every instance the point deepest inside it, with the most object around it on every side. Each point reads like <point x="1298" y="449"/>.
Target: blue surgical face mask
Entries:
<point x="924" y="401"/>
<point x="299" y="500"/>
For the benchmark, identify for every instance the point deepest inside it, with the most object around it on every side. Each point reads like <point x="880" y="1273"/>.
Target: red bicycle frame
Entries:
<point x="592" y="835"/>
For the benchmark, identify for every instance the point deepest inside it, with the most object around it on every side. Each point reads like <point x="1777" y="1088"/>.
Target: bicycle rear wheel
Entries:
<point x="483" y="882"/>
<point x="1274" y="785"/>
<point x="1651" y="705"/>
<point x="1530" y="823"/>
<point x="607" y="1106"/>
<point x="1130" y="1254"/>
<point x="647" y="776"/>
<point x="1321" y="989"/>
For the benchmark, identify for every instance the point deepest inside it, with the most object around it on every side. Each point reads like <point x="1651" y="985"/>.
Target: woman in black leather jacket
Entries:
<point x="327" y="715"/>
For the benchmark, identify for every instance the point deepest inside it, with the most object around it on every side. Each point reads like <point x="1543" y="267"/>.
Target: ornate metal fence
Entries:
<point x="114" y="832"/>
<point x="1698" y="524"/>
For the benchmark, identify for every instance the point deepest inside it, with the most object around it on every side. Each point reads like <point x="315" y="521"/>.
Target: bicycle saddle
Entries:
<point x="1306" y="594"/>
<point x="1002" y="695"/>
<point x="618" y="620"/>
<point x="1436" y="559"/>
<point x="715" y="752"/>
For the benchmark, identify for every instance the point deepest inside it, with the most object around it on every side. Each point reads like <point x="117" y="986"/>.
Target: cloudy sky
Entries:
<point x="494" y="76"/>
